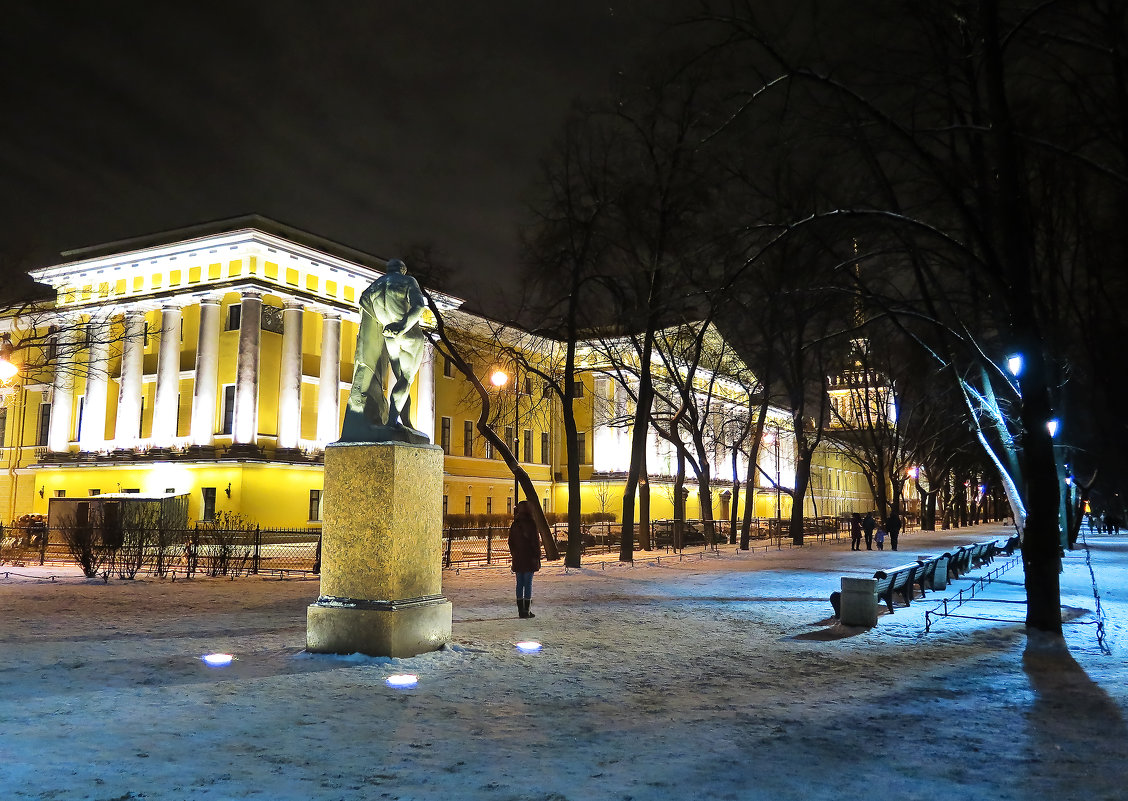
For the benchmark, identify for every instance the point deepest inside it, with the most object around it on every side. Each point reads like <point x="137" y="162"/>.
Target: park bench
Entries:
<point x="971" y="556"/>
<point x="900" y="581"/>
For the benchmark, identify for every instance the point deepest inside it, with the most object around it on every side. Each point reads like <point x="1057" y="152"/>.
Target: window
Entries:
<point x="272" y="320"/>
<point x="526" y="445"/>
<point x="581" y="446"/>
<point x="3" y="425"/>
<point x="233" y="316"/>
<point x="509" y="506"/>
<point x="95" y="491"/>
<point x="81" y="405"/>
<point x="228" y="409"/>
<point x="468" y="439"/>
<point x="314" y="504"/>
<point x="448" y="367"/>
<point x="544" y="448"/>
<point x="60" y="493"/>
<point x="489" y="450"/>
<point x="444" y="436"/>
<point x="44" y="423"/>
<point x="578" y="388"/>
<point x="132" y="491"/>
<point x="446" y="504"/>
<point x="207" y="510"/>
<point x="146" y="342"/>
<point x="489" y="504"/>
<point x="528" y="385"/>
<point x="509" y="443"/>
<point x="467" y="504"/>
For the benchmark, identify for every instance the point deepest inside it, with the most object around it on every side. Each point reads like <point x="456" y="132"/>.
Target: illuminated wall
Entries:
<point x="219" y="366"/>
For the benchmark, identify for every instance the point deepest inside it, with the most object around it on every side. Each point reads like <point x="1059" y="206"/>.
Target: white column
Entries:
<point x="290" y="376"/>
<point x="166" y="404"/>
<point x="424" y="414"/>
<point x="245" y="424"/>
<point x="207" y="374"/>
<point x="62" y="392"/>
<point x="92" y="435"/>
<point x="329" y="387"/>
<point x="128" y="426"/>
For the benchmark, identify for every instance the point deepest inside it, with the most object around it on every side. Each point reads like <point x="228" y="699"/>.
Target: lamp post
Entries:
<point x="499" y="378"/>
<point x="772" y="438"/>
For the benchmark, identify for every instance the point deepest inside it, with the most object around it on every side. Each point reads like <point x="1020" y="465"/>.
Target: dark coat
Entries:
<point x="524" y="545"/>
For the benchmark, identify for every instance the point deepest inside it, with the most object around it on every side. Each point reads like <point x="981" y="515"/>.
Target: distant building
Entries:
<point x="214" y="362"/>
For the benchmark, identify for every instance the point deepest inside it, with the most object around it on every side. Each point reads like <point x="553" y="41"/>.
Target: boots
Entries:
<point x="523" y="608"/>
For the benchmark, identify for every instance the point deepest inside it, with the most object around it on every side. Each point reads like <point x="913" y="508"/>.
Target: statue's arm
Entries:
<point x="414" y="312"/>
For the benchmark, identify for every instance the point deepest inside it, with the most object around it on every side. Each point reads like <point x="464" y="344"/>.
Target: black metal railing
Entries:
<point x="201" y="549"/>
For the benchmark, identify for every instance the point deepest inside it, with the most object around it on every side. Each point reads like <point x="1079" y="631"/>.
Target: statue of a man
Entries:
<point x="389" y="336"/>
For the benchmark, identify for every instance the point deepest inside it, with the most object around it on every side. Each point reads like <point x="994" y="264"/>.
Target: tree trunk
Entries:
<point x="1042" y="540"/>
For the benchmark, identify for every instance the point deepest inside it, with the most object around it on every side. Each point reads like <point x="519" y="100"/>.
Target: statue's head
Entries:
<point x="397" y="266"/>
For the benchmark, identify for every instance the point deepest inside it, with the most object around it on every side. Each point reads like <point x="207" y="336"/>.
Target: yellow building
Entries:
<point x="215" y="362"/>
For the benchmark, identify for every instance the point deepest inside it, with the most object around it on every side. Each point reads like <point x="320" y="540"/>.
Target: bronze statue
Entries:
<point x="389" y="337"/>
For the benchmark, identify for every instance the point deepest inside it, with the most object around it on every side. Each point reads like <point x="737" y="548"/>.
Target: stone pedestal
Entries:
<point x="381" y="552"/>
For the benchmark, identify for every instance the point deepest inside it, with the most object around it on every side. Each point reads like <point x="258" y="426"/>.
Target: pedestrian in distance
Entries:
<point x="879" y="537"/>
<point x="867" y="526"/>
<point x="525" y="552"/>
<point x="856" y="532"/>
<point x="893" y="526"/>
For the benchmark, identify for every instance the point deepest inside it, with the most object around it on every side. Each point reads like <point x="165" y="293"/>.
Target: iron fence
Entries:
<point x="208" y="550"/>
<point x="201" y="549"/>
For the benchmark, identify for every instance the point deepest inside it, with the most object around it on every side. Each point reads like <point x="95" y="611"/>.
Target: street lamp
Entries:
<point x="1014" y="364"/>
<point x="772" y="437"/>
<point x="499" y="378"/>
<point x="7" y="369"/>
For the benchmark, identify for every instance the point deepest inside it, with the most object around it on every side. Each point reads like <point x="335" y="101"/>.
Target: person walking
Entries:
<point x="879" y="537"/>
<point x="867" y="526"/>
<point x="856" y="532"/>
<point x="893" y="526"/>
<point x="525" y="552"/>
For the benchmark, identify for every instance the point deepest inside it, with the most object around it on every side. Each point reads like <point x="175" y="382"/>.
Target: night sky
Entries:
<point x="376" y="123"/>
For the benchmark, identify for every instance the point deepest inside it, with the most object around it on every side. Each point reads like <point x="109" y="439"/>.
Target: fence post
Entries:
<point x="489" y="543"/>
<point x="449" y="539"/>
<point x="258" y="549"/>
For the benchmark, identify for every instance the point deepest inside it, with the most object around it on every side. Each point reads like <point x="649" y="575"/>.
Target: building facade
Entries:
<point x="215" y="362"/>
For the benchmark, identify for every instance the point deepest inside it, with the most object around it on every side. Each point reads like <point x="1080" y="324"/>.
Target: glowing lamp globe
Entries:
<point x="498" y="378"/>
<point x="7" y="370"/>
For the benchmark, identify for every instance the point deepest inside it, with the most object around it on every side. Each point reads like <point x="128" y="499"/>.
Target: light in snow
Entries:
<point x="217" y="660"/>
<point x="528" y="647"/>
<point x="402" y="680"/>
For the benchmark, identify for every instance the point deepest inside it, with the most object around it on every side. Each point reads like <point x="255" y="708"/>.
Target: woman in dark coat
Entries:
<point x="524" y="548"/>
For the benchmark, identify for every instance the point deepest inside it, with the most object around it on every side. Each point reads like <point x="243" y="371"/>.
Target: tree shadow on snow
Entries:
<point x="1073" y="720"/>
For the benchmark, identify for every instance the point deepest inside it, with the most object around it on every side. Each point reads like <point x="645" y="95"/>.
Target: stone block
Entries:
<point x="381" y="552"/>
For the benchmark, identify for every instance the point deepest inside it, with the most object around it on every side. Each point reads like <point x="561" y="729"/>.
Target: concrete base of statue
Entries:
<point x="381" y="552"/>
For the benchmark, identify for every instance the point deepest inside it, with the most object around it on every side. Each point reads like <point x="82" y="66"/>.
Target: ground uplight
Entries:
<point x="217" y="660"/>
<point x="402" y="680"/>
<point x="528" y="647"/>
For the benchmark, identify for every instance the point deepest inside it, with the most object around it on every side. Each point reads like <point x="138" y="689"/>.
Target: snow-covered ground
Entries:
<point x="709" y="678"/>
